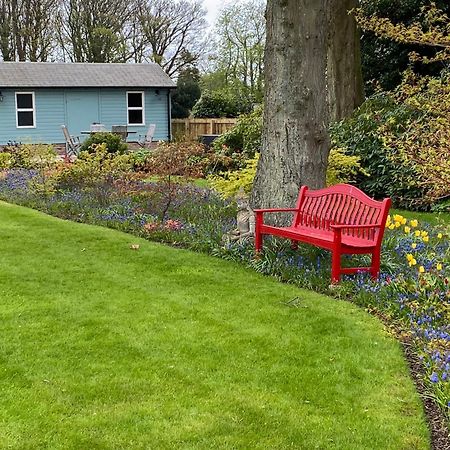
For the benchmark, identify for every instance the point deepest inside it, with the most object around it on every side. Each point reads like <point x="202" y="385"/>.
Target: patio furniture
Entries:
<point x="103" y="132"/>
<point x="73" y="143"/>
<point x="208" y="139"/>
<point x="147" y="139"/>
<point x="97" y="127"/>
<point x="120" y="130"/>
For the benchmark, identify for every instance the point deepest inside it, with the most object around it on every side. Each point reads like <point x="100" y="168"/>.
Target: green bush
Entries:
<point x="341" y="169"/>
<point x="228" y="184"/>
<point x="29" y="156"/>
<point x="221" y="104"/>
<point x="359" y="135"/>
<point x="5" y="160"/>
<point x="113" y="143"/>
<point x="95" y="167"/>
<point x="243" y="139"/>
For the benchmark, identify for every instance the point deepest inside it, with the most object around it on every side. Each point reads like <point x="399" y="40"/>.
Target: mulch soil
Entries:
<point x="440" y="435"/>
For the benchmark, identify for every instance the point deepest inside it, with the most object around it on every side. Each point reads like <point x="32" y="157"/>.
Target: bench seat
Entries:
<point x="320" y="238"/>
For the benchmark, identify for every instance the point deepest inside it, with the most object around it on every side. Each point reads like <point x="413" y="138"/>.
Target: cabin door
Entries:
<point x="82" y="109"/>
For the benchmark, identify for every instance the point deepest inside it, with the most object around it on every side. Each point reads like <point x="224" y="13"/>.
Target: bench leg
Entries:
<point x="335" y="267"/>
<point x="258" y="242"/>
<point x="375" y="267"/>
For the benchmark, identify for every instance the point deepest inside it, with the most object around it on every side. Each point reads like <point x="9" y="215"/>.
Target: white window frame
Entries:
<point x="136" y="108"/>
<point x="33" y="109"/>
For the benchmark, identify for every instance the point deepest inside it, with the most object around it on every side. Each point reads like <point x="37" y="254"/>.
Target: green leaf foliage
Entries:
<point x="244" y="140"/>
<point x="342" y="168"/>
<point x="359" y="136"/>
<point x="113" y="143"/>
<point x="221" y="104"/>
<point x="384" y="60"/>
<point x="187" y="93"/>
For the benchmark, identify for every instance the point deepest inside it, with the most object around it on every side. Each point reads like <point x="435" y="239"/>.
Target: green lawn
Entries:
<point x="104" y="347"/>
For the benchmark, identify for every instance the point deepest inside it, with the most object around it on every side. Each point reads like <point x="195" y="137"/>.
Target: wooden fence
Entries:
<point x="193" y="128"/>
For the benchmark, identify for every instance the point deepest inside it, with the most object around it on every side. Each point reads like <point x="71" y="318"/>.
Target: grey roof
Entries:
<point x="35" y="74"/>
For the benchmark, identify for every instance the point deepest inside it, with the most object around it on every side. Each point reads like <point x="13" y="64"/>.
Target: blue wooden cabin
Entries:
<point x="37" y="98"/>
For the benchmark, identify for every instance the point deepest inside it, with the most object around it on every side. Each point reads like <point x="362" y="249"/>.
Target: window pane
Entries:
<point x="134" y="100"/>
<point x="25" y="119"/>
<point x="24" y="101"/>
<point x="135" y="116"/>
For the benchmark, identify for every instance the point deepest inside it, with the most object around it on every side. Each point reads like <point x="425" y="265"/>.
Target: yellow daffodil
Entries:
<point x="407" y="230"/>
<point x="398" y="218"/>
<point x="409" y="257"/>
<point x="413" y="262"/>
<point x="424" y="233"/>
<point x="403" y="221"/>
<point x="439" y="235"/>
<point x="417" y="233"/>
<point x="439" y="266"/>
<point x="421" y="269"/>
<point x="391" y="226"/>
<point x="425" y="239"/>
<point x="413" y="245"/>
<point x="414" y="223"/>
<point x="397" y="224"/>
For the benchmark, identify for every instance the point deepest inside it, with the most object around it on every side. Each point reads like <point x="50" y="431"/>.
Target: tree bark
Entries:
<point x="345" y="81"/>
<point x="295" y="142"/>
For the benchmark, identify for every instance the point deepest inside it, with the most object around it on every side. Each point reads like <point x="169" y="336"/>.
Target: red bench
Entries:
<point x="340" y="218"/>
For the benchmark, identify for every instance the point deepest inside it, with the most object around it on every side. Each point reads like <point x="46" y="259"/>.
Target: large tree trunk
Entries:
<point x="295" y="134"/>
<point x="345" y="81"/>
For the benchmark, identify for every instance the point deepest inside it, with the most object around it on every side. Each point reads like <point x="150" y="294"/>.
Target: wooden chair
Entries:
<point x="147" y="139"/>
<point x="73" y="143"/>
<point x="120" y="130"/>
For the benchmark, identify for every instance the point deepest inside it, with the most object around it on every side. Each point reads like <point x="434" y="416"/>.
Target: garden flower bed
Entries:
<point x="412" y="294"/>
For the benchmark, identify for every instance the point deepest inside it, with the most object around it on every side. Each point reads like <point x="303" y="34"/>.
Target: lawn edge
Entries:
<point x="439" y="433"/>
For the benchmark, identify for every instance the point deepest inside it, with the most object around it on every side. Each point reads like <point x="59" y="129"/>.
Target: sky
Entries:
<point x="213" y="7"/>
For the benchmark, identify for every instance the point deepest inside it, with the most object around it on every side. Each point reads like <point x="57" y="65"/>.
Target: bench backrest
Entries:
<point x="341" y="205"/>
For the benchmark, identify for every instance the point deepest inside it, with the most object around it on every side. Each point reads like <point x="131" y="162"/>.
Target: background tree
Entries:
<point x="92" y="31"/>
<point x="173" y="32"/>
<point x="238" y="54"/>
<point x="187" y="93"/>
<point x="295" y="142"/>
<point x="27" y="29"/>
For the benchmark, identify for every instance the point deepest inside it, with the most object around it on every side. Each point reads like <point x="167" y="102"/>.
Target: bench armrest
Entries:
<point x="354" y="227"/>
<point x="271" y="210"/>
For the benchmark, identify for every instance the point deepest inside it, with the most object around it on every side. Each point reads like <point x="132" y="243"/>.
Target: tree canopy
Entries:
<point x="168" y="32"/>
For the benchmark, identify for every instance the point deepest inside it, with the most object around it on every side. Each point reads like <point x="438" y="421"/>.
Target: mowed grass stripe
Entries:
<point x="103" y="347"/>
